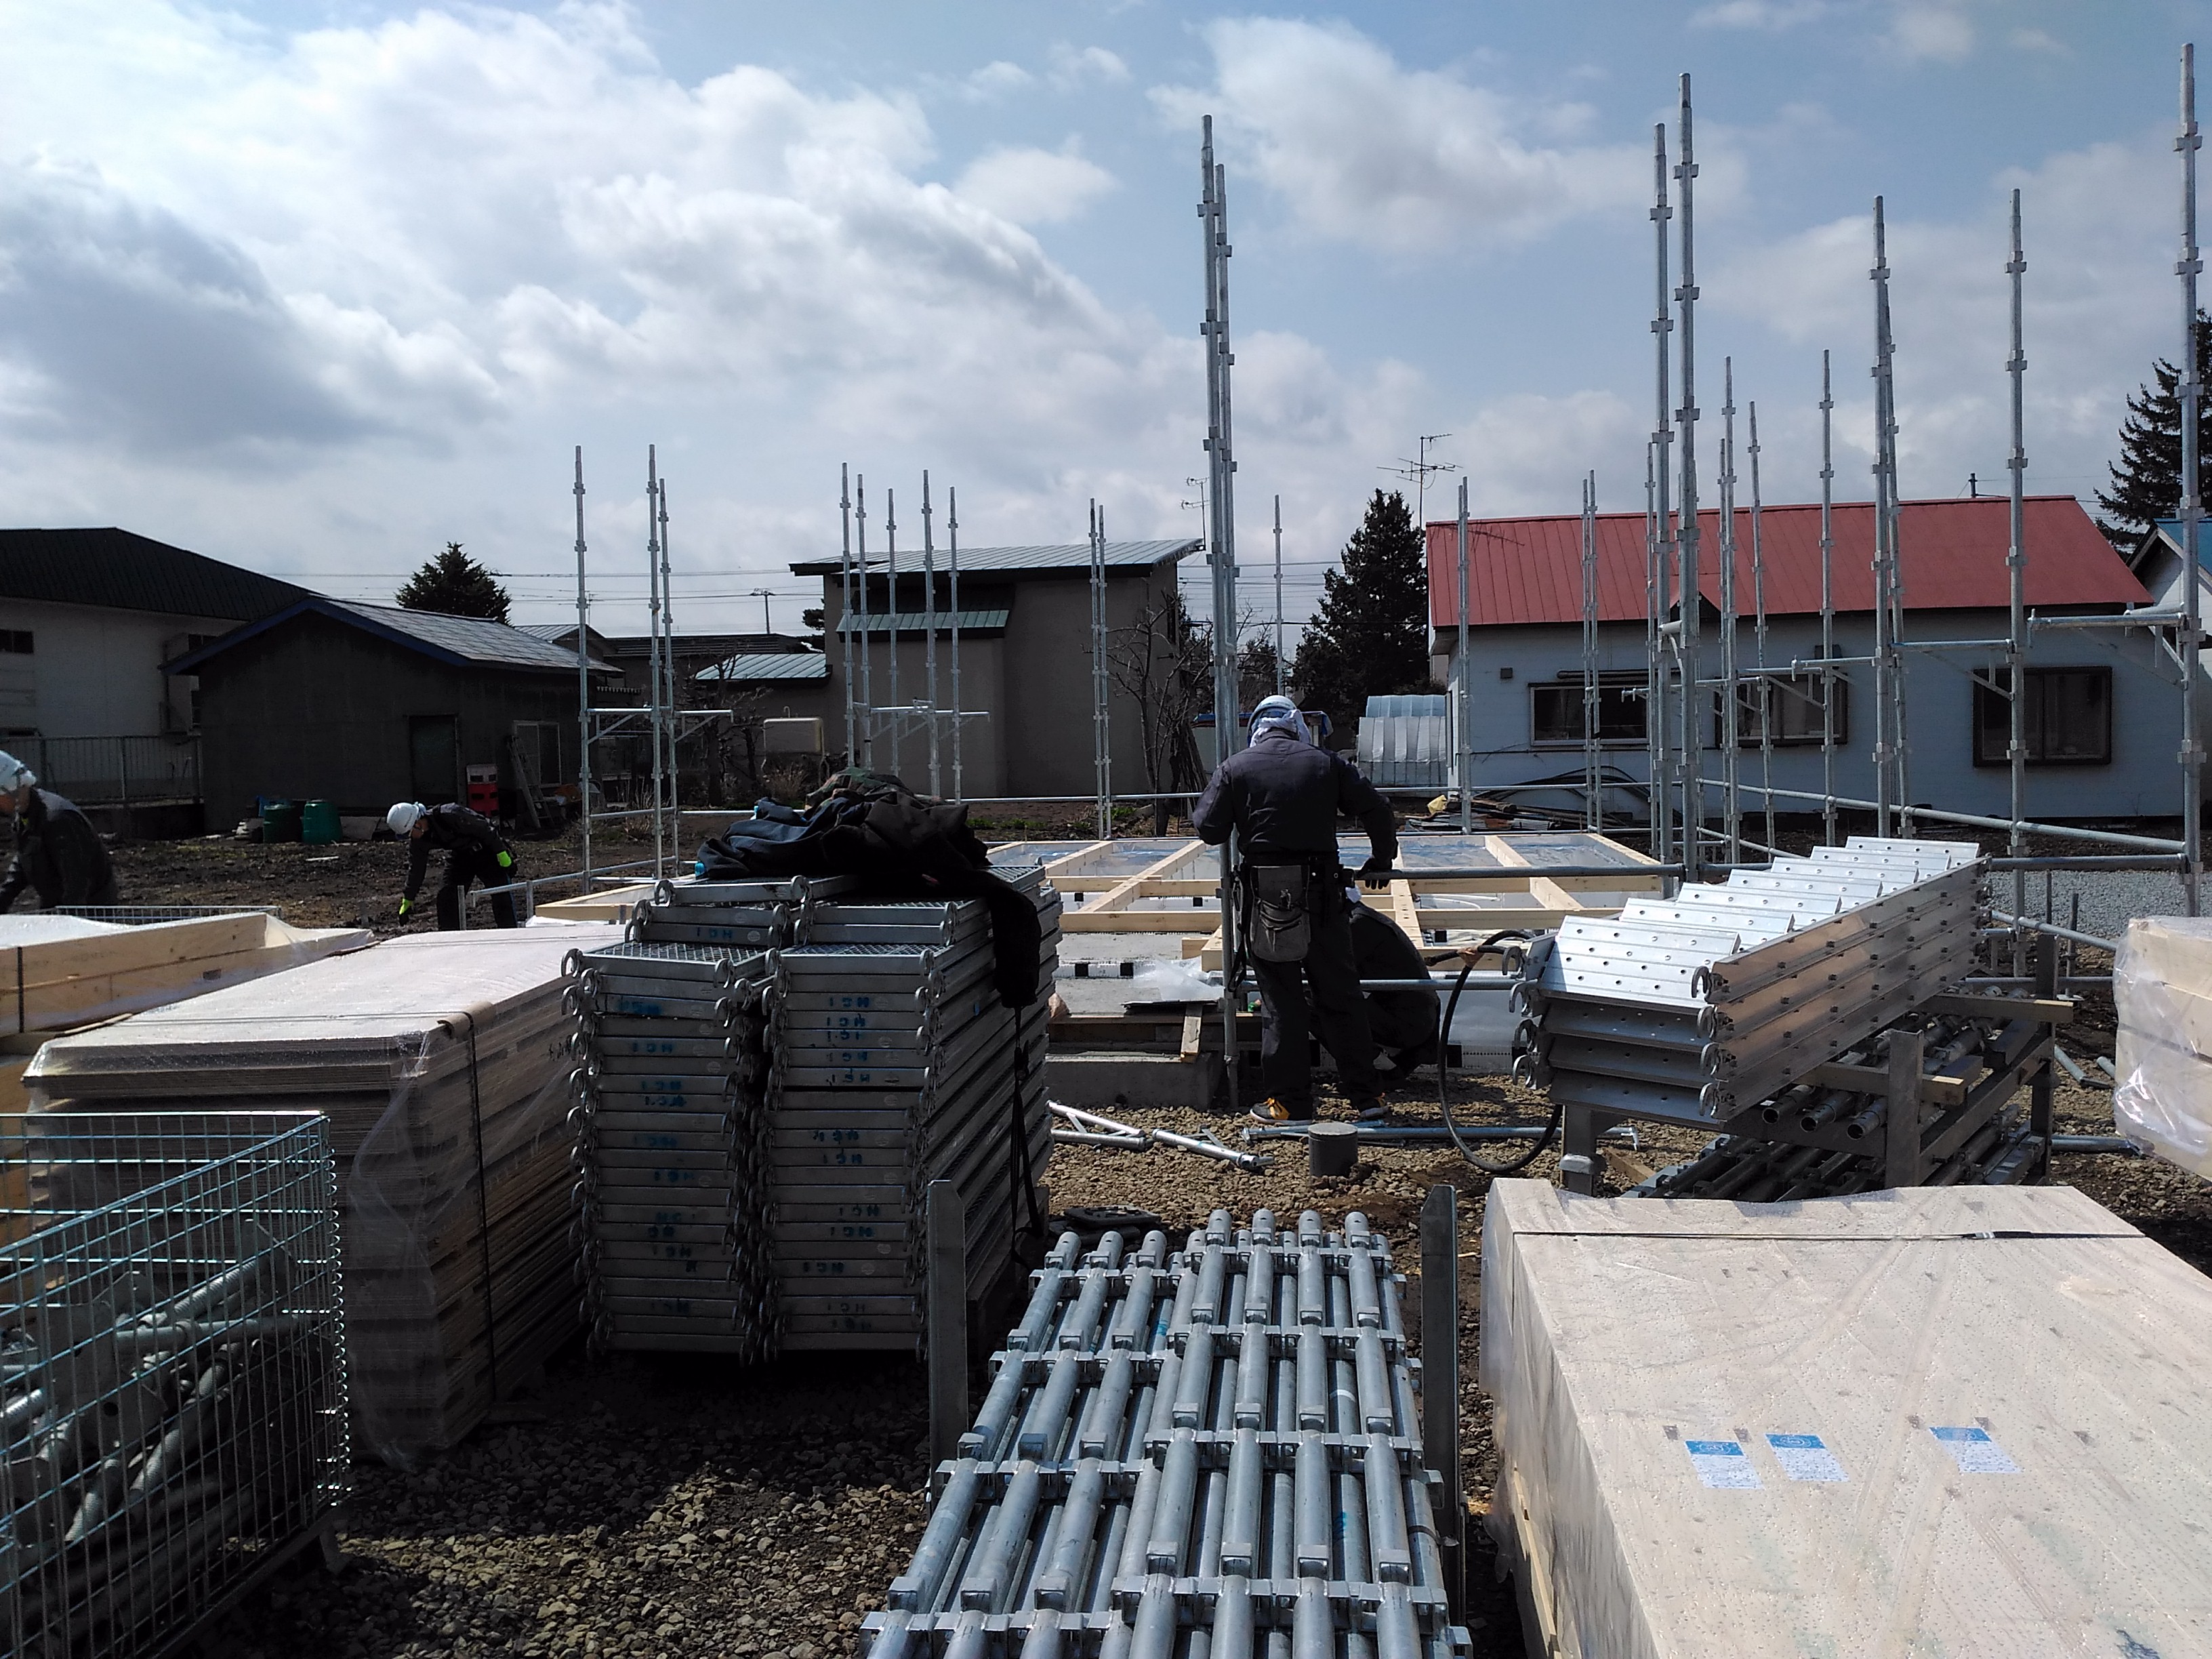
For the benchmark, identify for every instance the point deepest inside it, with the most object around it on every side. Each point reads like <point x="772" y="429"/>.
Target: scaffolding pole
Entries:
<point x="2016" y="582"/>
<point x="891" y="621"/>
<point x="1462" y="726"/>
<point x="845" y="594"/>
<point x="867" y="643"/>
<point x="1654" y="706"/>
<point x="1691" y="727"/>
<point x="1731" y="682"/>
<point x="1661" y="560"/>
<point x="2188" y="268"/>
<point x="1279" y="594"/>
<point x="1827" y="604"/>
<point x="1221" y="549"/>
<point x="583" y="682"/>
<point x="668" y="707"/>
<point x="952" y="553"/>
<point x="653" y="649"/>
<point x="1593" y="805"/>
<point x="929" y="643"/>
<point x="1886" y="739"/>
<point x="1766" y="700"/>
<point x="1101" y="755"/>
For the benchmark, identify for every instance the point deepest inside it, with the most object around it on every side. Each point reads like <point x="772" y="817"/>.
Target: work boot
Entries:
<point x="1271" y="1111"/>
<point x="1376" y="1111"/>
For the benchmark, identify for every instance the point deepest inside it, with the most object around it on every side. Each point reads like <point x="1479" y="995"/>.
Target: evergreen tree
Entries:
<point x="1255" y="670"/>
<point x="454" y="585"/>
<point x="2147" y="479"/>
<point x="1370" y="638"/>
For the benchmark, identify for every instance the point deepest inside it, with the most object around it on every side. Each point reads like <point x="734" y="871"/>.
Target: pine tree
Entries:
<point x="1370" y="637"/>
<point x="2147" y="479"/>
<point x="454" y="585"/>
<point x="1255" y="670"/>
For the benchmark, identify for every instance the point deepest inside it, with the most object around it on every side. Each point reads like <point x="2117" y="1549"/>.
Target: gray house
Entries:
<point x="1025" y="661"/>
<point x="362" y="705"/>
<point x="2103" y="713"/>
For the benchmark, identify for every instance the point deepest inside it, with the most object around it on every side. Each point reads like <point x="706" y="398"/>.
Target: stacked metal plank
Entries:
<point x="441" y="1060"/>
<point x="1203" y="1453"/>
<point x="1695" y="1008"/>
<point x="172" y="1396"/>
<point x="770" y="1186"/>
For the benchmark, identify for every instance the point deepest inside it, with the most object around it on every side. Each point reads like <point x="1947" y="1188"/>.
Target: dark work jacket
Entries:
<point x="473" y="840"/>
<point x="1284" y="797"/>
<point x="58" y="852"/>
<point x="1400" y="1020"/>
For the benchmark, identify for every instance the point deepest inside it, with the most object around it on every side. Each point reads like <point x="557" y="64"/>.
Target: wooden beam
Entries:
<point x="1067" y="861"/>
<point x="1133" y="887"/>
<point x="1541" y="888"/>
<point x="1405" y="911"/>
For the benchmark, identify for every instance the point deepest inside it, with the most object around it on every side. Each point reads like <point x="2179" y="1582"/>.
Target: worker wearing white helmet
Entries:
<point x="57" y="852"/>
<point x="474" y="849"/>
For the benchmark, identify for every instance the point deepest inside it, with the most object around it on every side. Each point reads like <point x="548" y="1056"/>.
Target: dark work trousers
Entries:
<point x="463" y="865"/>
<point x="1339" y="1012"/>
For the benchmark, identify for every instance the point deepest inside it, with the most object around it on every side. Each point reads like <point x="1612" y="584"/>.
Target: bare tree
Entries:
<point x="1163" y="660"/>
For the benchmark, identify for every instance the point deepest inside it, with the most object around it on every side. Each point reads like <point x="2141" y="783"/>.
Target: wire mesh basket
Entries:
<point x="173" y="1407"/>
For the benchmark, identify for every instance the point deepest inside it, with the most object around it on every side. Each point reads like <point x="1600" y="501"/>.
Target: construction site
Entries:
<point x="874" y="1222"/>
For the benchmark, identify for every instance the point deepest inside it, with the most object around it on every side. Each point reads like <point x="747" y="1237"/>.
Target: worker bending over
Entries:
<point x="474" y="850"/>
<point x="1281" y="798"/>
<point x="58" y="851"/>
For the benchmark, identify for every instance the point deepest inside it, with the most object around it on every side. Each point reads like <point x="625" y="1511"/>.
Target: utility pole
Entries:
<point x="1278" y="595"/>
<point x="763" y="594"/>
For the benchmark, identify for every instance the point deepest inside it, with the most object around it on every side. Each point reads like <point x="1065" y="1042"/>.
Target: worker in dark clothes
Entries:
<point x="1281" y="798"/>
<point x="474" y="850"/>
<point x="1403" y="1023"/>
<point x="57" y="852"/>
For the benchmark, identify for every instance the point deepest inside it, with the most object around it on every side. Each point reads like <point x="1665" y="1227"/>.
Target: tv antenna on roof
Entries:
<point x="1419" y="470"/>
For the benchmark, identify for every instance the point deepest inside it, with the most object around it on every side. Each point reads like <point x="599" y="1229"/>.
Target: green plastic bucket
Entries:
<point x="280" y="820"/>
<point x="318" y="822"/>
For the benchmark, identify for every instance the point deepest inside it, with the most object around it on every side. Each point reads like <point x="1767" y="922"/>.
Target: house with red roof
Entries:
<point x="2103" y="713"/>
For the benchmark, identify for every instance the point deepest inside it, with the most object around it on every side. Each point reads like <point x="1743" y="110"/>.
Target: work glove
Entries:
<point x="1376" y="873"/>
<point x="405" y="905"/>
<point x="506" y="860"/>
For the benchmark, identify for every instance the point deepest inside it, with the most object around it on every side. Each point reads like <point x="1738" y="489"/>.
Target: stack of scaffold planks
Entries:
<point x="1956" y="1420"/>
<point x="442" y="1062"/>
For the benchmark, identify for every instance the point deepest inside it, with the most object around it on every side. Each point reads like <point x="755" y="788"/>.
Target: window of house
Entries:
<point x="1792" y="703"/>
<point x="2067" y="718"/>
<point x="1555" y="712"/>
<point x="15" y="641"/>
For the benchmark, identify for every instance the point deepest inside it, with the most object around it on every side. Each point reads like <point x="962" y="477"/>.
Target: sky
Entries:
<point x="317" y="286"/>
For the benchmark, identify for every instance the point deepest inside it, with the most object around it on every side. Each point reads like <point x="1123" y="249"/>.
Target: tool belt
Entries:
<point x="1279" y="906"/>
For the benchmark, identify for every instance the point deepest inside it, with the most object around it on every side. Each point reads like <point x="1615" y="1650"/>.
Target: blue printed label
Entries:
<point x="1722" y="1463"/>
<point x="1803" y="1457"/>
<point x="1974" y="1452"/>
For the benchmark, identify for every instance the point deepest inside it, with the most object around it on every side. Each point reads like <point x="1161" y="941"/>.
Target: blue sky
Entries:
<point x="317" y="287"/>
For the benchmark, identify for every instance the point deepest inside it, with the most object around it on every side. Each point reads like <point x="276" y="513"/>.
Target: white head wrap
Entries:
<point x="1278" y="714"/>
<point x="14" y="776"/>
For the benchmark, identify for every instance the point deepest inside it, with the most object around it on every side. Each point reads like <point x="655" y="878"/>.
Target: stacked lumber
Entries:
<point x="57" y="971"/>
<point x="442" y="1063"/>
<point x="1962" y="1421"/>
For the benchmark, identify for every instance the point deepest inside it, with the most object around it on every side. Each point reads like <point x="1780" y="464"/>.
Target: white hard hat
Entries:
<point x="14" y="776"/>
<point x="402" y="817"/>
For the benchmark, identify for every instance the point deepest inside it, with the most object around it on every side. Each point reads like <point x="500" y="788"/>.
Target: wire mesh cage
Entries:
<point x="172" y="1408"/>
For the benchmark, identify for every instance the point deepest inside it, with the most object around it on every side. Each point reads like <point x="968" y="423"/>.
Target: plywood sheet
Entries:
<point x="1956" y="1422"/>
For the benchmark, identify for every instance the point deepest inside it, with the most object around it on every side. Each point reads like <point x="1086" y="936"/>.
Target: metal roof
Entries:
<point x="459" y="642"/>
<point x="768" y="666"/>
<point x="1951" y="553"/>
<point x="917" y="622"/>
<point x="120" y="570"/>
<point x="1063" y="556"/>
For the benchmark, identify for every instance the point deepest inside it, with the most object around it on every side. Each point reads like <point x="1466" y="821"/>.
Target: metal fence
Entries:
<point x="113" y="771"/>
<point x="171" y="1381"/>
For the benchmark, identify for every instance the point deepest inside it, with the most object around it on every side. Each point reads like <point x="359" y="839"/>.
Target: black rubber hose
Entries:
<point x="1520" y="1161"/>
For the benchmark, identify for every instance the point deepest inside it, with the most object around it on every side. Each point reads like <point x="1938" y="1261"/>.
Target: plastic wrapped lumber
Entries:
<point x="2162" y="988"/>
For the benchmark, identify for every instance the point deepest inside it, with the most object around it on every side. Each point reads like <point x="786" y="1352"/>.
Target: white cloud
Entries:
<point x="1034" y="186"/>
<point x="997" y="78"/>
<point x="1770" y="14"/>
<point x="1364" y="150"/>
<point x="1071" y="66"/>
<point x="1937" y="30"/>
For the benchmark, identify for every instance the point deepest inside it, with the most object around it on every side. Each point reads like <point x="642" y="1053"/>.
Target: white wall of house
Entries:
<point x="2142" y="778"/>
<point x="93" y="672"/>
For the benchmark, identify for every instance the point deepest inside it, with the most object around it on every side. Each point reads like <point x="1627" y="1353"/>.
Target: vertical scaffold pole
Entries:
<point x="2016" y="582"/>
<point x="1463" y="726"/>
<point x="1653" y="705"/>
<point x="1731" y="680"/>
<point x="1662" y="551"/>
<point x="583" y="682"/>
<point x="1828" y="604"/>
<point x="892" y="625"/>
<point x="1767" y="701"/>
<point x="1279" y="669"/>
<point x="1221" y="550"/>
<point x="1592" y="781"/>
<point x="867" y="645"/>
<point x="1101" y="758"/>
<point x="2191" y="389"/>
<point x="1685" y="516"/>
<point x="653" y="720"/>
<point x="929" y="637"/>
<point x="952" y="552"/>
<point x="845" y="593"/>
<point x="670" y="702"/>
<point x="1885" y="654"/>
